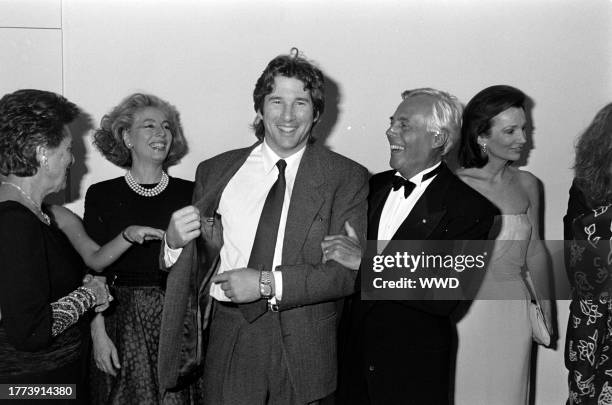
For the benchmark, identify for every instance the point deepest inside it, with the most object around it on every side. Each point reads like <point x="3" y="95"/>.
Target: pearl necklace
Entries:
<point x="147" y="192"/>
<point x="44" y="216"/>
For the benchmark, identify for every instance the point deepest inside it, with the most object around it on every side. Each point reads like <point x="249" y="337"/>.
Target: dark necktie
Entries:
<point x="399" y="182"/>
<point x="262" y="253"/>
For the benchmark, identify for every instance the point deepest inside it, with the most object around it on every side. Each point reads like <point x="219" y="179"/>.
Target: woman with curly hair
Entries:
<point x="43" y="294"/>
<point x="142" y="134"/>
<point x="588" y="231"/>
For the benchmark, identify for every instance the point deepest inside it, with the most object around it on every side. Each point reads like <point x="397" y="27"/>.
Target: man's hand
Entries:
<point x="184" y="227"/>
<point x="240" y="285"/>
<point x="345" y="249"/>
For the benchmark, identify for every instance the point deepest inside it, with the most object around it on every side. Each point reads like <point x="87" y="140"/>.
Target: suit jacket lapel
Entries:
<point x="306" y="201"/>
<point x="376" y="201"/>
<point x="428" y="211"/>
<point x="211" y="238"/>
<point x="190" y="277"/>
<point x="215" y="186"/>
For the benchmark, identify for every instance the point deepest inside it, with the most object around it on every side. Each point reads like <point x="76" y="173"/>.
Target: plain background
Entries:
<point x="205" y="56"/>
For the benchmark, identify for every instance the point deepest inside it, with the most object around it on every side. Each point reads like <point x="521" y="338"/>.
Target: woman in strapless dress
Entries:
<point x="494" y="336"/>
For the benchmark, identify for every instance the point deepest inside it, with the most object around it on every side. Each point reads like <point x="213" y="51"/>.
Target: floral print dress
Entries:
<point x="588" y="348"/>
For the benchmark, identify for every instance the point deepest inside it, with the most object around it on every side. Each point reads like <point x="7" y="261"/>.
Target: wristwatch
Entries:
<point x="265" y="284"/>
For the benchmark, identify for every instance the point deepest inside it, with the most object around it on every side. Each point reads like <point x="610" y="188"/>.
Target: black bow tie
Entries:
<point x="399" y="182"/>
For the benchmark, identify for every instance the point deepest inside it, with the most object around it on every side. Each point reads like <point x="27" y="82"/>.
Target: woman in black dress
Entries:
<point x="42" y="294"/>
<point x="588" y="233"/>
<point x="142" y="134"/>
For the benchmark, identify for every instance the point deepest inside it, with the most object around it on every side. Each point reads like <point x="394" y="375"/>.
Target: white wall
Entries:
<point x="204" y="57"/>
<point x="31" y="49"/>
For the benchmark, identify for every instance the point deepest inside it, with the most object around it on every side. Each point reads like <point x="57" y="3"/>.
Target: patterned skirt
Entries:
<point x="588" y="351"/>
<point x="133" y="325"/>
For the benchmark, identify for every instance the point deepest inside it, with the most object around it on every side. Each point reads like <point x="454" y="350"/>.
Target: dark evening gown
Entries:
<point x="38" y="266"/>
<point x="133" y="322"/>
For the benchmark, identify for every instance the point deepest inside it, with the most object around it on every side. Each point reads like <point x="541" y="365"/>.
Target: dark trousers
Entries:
<point x="395" y="356"/>
<point x="245" y="362"/>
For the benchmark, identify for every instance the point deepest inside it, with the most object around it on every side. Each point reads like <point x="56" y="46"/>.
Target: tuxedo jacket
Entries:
<point x="329" y="189"/>
<point x="398" y="351"/>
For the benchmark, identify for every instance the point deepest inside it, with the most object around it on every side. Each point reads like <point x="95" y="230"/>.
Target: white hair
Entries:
<point x="445" y="115"/>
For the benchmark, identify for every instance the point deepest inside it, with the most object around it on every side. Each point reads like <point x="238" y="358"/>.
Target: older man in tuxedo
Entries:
<point x="251" y="242"/>
<point x="399" y="351"/>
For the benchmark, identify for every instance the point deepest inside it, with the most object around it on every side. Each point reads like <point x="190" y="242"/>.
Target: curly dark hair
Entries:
<point x="30" y="118"/>
<point x="291" y="66"/>
<point x="478" y="116"/>
<point x="593" y="164"/>
<point x="109" y="137"/>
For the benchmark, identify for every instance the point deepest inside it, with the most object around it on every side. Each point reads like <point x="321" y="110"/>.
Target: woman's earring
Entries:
<point x="45" y="162"/>
<point x="483" y="148"/>
<point x="126" y="138"/>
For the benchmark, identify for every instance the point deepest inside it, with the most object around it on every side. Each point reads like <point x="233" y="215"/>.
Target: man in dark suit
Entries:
<point x="399" y="351"/>
<point x="257" y="250"/>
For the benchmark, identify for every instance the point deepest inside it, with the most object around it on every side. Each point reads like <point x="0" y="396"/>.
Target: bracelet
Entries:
<point x="67" y="310"/>
<point x="91" y="296"/>
<point x="126" y="238"/>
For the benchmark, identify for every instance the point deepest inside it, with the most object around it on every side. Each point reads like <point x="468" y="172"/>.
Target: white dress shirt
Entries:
<point x="240" y="207"/>
<point x="397" y="208"/>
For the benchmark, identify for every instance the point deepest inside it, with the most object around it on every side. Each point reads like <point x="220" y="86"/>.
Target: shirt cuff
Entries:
<point x="170" y="255"/>
<point x="278" y="285"/>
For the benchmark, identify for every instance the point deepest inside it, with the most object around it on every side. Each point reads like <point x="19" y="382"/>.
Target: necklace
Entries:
<point x="146" y="192"/>
<point x="44" y="216"/>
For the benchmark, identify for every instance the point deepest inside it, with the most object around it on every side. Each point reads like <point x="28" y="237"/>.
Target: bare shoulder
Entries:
<point x="471" y="176"/>
<point x="528" y="181"/>
<point x="464" y="173"/>
<point x="530" y="184"/>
